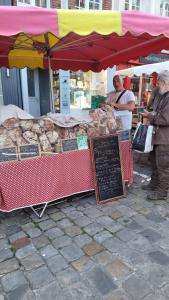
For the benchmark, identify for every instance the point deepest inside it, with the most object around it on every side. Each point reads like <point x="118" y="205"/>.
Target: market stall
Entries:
<point x="68" y="39"/>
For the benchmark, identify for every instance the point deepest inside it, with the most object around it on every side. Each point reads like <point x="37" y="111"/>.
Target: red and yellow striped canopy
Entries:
<point x="77" y="39"/>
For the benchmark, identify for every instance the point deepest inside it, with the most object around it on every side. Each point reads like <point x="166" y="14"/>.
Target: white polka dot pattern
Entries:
<point x="44" y="179"/>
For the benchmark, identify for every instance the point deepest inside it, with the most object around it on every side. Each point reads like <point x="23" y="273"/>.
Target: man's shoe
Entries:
<point x="156" y="197"/>
<point x="148" y="187"/>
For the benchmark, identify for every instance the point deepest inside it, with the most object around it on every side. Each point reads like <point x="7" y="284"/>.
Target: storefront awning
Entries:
<point x="78" y="39"/>
<point x="146" y="69"/>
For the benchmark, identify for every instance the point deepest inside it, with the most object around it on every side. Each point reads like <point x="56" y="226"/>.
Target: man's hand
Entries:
<point x="146" y="113"/>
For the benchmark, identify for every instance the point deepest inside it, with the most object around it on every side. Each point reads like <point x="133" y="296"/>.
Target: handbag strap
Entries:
<point x="120" y="96"/>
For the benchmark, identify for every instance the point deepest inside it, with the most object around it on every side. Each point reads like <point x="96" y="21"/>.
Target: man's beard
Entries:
<point x="162" y="90"/>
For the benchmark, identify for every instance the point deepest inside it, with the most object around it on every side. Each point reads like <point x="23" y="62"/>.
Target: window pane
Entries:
<point x="31" y="83"/>
<point x="41" y="3"/>
<point x="126" y="5"/>
<point x="94" y="4"/>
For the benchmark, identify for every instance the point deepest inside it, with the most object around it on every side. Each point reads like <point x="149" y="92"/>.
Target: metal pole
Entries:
<point x="52" y="108"/>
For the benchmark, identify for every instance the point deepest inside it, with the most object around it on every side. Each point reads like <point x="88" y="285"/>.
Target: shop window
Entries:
<point x="132" y="5"/>
<point x="80" y="4"/>
<point x="41" y="3"/>
<point x="95" y="4"/>
<point x="164" y="8"/>
<point x="31" y="83"/>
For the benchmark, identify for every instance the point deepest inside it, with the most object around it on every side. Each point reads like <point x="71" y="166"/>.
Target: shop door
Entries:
<point x="33" y="92"/>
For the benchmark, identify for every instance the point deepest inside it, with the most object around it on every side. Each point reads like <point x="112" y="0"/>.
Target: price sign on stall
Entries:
<point x="107" y="168"/>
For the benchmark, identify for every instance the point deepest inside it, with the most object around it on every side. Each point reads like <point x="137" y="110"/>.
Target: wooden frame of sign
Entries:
<point x="8" y="154"/>
<point x="108" y="173"/>
<point x="69" y="144"/>
<point x="29" y="151"/>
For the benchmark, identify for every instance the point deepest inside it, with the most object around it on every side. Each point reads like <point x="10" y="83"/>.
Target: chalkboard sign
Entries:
<point x="28" y="151"/>
<point x="8" y="154"/>
<point x="69" y="145"/>
<point x="107" y="167"/>
<point x="124" y="135"/>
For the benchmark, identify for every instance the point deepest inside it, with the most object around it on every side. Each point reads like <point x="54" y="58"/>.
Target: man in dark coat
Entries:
<point x="159" y="157"/>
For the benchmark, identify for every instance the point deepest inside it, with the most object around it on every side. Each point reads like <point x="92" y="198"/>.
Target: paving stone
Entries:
<point x="105" y="221"/>
<point x="67" y="277"/>
<point x="126" y="211"/>
<point x="25" y="251"/>
<point x="115" y="228"/>
<point x="40" y="241"/>
<point x="56" y="263"/>
<point x="159" y="257"/>
<point x="12" y="229"/>
<point x="82" y="240"/>
<point x="8" y="266"/>
<point x="118" y="269"/>
<point x="5" y="254"/>
<point x="54" y="233"/>
<point x="126" y="235"/>
<point x="79" y="290"/>
<point x="118" y="295"/>
<point x="20" y="243"/>
<point x="102" y="281"/>
<point x="140" y="243"/>
<point x="136" y="287"/>
<point x="155" y="297"/>
<point x="47" y="224"/>
<point x="69" y="208"/>
<point x="36" y="219"/>
<point x="92" y="248"/>
<point x="73" y="215"/>
<point x="71" y="252"/>
<point x="133" y="225"/>
<point x="114" y="245"/>
<point x="51" y="291"/>
<point x="4" y="244"/>
<point x="82" y="263"/>
<point x="52" y="209"/>
<point x="103" y="258"/>
<point x="48" y="251"/>
<point x="156" y="275"/>
<point x="151" y="235"/>
<point x="13" y="280"/>
<point x="93" y="228"/>
<point x="39" y="277"/>
<point x="83" y="221"/>
<point x="62" y="241"/>
<point x="16" y="236"/>
<point x="32" y="261"/>
<point x="34" y="232"/>
<point x="73" y="230"/>
<point x="116" y="215"/>
<point x="165" y="290"/>
<point x="93" y="212"/>
<point x="155" y="217"/>
<point x="124" y="221"/>
<point x="21" y="293"/>
<point x="102" y="236"/>
<point x="64" y="223"/>
<point x="28" y="226"/>
<point x="57" y="216"/>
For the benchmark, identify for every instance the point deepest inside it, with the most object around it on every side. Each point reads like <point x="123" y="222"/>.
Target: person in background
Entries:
<point x="122" y="102"/>
<point x="159" y="157"/>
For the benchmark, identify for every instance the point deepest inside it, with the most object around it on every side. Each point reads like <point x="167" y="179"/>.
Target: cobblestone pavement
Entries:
<point x="81" y="251"/>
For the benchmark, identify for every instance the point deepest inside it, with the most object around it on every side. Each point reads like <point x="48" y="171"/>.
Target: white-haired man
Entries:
<point x="159" y="157"/>
<point x="122" y="101"/>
